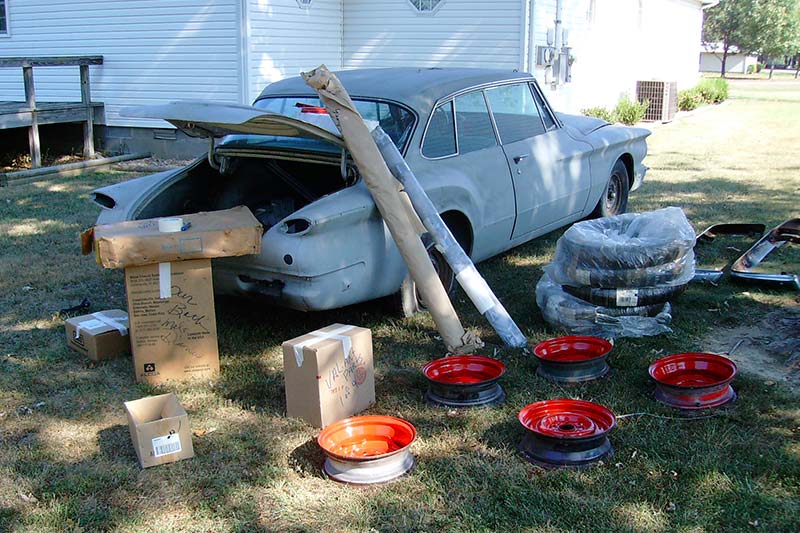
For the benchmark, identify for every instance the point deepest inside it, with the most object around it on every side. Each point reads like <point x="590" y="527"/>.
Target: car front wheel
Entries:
<point x="615" y="197"/>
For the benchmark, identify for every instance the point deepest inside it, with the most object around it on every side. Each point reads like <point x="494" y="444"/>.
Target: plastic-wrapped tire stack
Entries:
<point x="614" y="277"/>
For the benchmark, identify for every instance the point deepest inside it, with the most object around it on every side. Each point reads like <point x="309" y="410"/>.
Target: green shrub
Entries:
<point x="759" y="66"/>
<point x="600" y="112"/>
<point x="630" y="112"/>
<point x="689" y="99"/>
<point x="751" y="69"/>
<point x="713" y="90"/>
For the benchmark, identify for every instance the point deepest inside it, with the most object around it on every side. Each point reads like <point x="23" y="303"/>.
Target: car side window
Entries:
<point x="440" y="138"/>
<point x="515" y="112"/>
<point x="473" y="125"/>
<point x="547" y="118"/>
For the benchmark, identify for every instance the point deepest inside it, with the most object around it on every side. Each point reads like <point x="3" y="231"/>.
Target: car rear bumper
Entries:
<point x="345" y="286"/>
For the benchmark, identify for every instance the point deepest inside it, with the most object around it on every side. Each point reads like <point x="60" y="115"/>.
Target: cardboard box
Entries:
<point x="226" y="233"/>
<point x="329" y="374"/>
<point x="173" y="326"/>
<point x="159" y="430"/>
<point x="99" y="336"/>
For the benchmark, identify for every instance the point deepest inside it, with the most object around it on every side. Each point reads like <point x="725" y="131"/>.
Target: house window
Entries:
<point x="3" y="18"/>
<point x="304" y="4"/>
<point x="426" y="6"/>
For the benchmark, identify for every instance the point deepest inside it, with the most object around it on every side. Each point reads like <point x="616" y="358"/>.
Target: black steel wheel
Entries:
<point x="409" y="300"/>
<point x="615" y="198"/>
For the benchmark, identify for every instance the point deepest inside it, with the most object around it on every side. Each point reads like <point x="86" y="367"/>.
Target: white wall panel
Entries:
<point x="286" y="40"/>
<point x="154" y="51"/>
<point x="461" y="33"/>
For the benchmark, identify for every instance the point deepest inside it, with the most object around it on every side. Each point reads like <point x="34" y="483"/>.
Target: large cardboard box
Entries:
<point x="173" y="326"/>
<point x="159" y="430"/>
<point x="329" y="374"/>
<point x="230" y="232"/>
<point x="99" y="336"/>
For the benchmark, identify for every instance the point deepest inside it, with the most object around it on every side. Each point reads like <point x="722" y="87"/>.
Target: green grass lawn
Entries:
<point x="67" y="463"/>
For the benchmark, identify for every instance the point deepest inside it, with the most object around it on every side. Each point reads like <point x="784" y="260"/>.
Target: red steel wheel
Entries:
<point x="464" y="381"/>
<point x="572" y="359"/>
<point x="566" y="433"/>
<point x="367" y="449"/>
<point x="694" y="380"/>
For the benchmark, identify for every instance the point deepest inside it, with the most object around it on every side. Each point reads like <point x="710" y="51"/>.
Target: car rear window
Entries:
<point x="440" y="139"/>
<point x="395" y="120"/>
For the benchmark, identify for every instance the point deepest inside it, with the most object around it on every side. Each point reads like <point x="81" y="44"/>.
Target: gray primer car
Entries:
<point x="499" y="164"/>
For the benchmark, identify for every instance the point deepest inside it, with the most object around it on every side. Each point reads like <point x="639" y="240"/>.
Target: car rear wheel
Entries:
<point x="615" y="197"/>
<point x="408" y="300"/>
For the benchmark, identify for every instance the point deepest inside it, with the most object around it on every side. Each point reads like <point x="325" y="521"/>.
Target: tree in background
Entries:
<point x="732" y="23"/>
<point x="779" y="29"/>
<point x="770" y="28"/>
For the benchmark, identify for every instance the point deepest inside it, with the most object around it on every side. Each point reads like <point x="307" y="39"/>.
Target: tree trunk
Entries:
<point x="724" y="59"/>
<point x="797" y="65"/>
<point x="771" y="69"/>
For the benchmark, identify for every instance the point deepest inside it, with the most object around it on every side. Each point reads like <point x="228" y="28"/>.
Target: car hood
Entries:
<point x="584" y="125"/>
<point x="211" y="119"/>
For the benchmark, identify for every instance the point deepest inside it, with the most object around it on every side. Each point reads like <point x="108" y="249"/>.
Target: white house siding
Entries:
<point x="285" y="39"/>
<point x="153" y="51"/>
<point x="461" y="33"/>
<point x="617" y="42"/>
<point x="712" y="62"/>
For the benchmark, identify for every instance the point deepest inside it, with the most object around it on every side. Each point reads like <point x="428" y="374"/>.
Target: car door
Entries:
<point x="550" y="169"/>
<point x="465" y="169"/>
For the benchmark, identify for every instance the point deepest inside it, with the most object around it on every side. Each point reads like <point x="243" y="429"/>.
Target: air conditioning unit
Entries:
<point x="663" y="98"/>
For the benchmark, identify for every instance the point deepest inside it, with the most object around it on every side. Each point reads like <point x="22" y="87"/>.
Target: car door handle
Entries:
<point x="519" y="158"/>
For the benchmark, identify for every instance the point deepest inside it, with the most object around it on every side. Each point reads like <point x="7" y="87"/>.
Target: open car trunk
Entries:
<point x="272" y="188"/>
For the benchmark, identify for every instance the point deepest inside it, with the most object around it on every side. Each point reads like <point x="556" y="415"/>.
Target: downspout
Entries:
<point x="244" y="51"/>
<point x="525" y="49"/>
<point x="557" y="44"/>
<point x="531" y="38"/>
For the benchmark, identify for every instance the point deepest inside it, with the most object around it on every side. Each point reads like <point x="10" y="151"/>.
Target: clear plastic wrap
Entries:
<point x="576" y="316"/>
<point x="631" y="250"/>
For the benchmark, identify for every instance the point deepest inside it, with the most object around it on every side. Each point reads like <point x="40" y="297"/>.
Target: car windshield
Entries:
<point x="395" y="120"/>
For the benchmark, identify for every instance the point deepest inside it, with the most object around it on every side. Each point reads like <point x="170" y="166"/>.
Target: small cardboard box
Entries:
<point x="173" y="326"/>
<point x="159" y="430"/>
<point x="99" y="336"/>
<point x="206" y="235"/>
<point x="329" y="374"/>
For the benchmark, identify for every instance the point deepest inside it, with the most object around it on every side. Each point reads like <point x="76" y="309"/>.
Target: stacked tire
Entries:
<point x="616" y="276"/>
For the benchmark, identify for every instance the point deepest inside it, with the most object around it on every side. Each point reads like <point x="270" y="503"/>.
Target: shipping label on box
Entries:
<point x="329" y="374"/>
<point x="99" y="336"/>
<point x="225" y="233"/>
<point x="159" y="429"/>
<point x="173" y="326"/>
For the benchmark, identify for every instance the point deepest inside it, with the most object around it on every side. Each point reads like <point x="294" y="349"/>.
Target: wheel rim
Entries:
<point x="613" y="196"/>
<point x="443" y="271"/>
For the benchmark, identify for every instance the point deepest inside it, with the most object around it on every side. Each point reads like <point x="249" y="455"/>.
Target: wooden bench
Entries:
<point x="30" y="113"/>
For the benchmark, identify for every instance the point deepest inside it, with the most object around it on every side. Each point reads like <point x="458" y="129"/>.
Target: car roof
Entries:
<point x="418" y="88"/>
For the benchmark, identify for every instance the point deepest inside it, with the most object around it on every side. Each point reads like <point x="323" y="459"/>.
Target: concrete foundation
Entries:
<point x="161" y="143"/>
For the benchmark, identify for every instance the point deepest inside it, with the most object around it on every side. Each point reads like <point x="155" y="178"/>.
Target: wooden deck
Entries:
<point x="31" y="114"/>
<point x="20" y="115"/>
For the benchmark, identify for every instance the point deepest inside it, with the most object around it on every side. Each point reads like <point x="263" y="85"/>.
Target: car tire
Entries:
<point x="407" y="299"/>
<point x="615" y="196"/>
<point x="610" y="297"/>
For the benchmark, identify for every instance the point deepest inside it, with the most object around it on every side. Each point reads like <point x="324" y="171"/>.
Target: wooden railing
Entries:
<point x="31" y="115"/>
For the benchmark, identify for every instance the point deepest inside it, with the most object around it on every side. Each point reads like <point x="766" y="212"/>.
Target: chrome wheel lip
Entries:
<point x="369" y="472"/>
